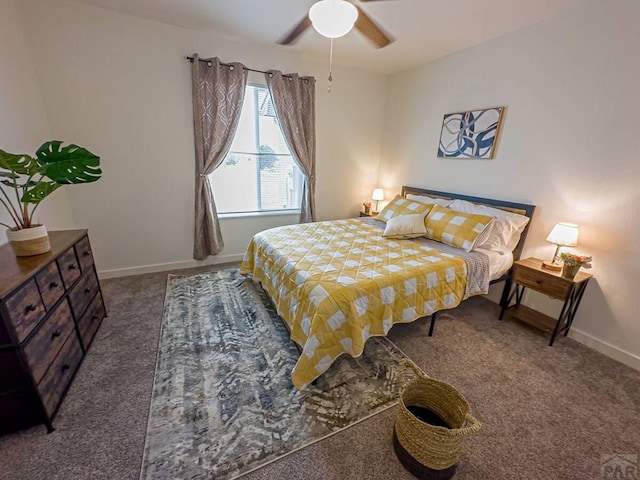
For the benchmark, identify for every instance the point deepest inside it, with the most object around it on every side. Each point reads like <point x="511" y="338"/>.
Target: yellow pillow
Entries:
<point x="402" y="206"/>
<point x="458" y="229"/>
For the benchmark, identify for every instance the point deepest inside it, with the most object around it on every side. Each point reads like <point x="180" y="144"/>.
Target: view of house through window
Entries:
<point x="259" y="173"/>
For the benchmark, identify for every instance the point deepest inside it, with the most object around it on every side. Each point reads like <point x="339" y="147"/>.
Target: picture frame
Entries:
<point x="472" y="134"/>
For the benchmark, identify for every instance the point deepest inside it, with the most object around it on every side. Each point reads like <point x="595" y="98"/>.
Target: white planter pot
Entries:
<point x="29" y="241"/>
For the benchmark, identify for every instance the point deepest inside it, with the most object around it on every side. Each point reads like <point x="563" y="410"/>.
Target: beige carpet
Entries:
<point x="548" y="413"/>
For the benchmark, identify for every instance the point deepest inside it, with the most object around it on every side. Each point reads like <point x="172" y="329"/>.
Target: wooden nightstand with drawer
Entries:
<point x="529" y="273"/>
<point x="50" y="309"/>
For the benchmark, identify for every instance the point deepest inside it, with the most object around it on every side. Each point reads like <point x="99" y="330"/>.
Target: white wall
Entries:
<point x="120" y="85"/>
<point x="23" y="120"/>
<point x="569" y="145"/>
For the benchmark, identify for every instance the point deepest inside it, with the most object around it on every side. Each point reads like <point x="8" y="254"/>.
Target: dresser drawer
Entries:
<point x="55" y="381"/>
<point x="50" y="285"/>
<point x="90" y="321"/>
<point x="25" y="309"/>
<point x="84" y="253"/>
<point x="549" y="285"/>
<point x="83" y="293"/>
<point x="48" y="340"/>
<point x="69" y="267"/>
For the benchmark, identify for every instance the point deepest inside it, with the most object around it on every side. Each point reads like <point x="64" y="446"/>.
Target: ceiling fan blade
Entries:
<point x="370" y="30"/>
<point x="298" y="30"/>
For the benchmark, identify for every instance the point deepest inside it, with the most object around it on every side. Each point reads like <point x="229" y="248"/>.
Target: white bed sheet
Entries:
<point x="499" y="263"/>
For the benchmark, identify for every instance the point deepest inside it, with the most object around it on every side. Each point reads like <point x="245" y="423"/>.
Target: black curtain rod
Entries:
<point x="228" y="64"/>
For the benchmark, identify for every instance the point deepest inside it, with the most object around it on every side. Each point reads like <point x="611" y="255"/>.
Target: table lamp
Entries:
<point x="377" y="195"/>
<point x="563" y="235"/>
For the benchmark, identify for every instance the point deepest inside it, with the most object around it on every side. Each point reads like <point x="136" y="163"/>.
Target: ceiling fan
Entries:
<point x="335" y="18"/>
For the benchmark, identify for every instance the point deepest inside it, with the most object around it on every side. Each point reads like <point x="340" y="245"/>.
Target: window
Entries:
<point x="259" y="173"/>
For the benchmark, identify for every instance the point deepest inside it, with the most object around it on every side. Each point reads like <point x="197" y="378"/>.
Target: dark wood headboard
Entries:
<point x="520" y="208"/>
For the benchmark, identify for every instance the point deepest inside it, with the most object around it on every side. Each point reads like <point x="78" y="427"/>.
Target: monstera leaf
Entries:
<point x="34" y="178"/>
<point x="67" y="165"/>
<point x="17" y="163"/>
<point x="39" y="191"/>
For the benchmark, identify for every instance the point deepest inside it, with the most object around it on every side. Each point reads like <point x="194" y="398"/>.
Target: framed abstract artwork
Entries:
<point x="471" y="134"/>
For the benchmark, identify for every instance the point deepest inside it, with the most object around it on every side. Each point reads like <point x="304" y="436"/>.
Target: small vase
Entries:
<point x="570" y="271"/>
<point x="367" y="209"/>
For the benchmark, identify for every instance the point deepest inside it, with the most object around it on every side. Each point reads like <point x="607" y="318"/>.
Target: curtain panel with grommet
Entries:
<point x="218" y="94"/>
<point x="294" y="100"/>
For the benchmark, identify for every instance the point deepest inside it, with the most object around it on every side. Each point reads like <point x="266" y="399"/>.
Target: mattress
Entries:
<point x="499" y="263"/>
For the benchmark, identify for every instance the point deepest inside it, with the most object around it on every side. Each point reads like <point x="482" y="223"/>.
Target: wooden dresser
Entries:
<point x="50" y="309"/>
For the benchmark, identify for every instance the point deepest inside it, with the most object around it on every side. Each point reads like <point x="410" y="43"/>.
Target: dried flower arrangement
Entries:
<point x="575" y="260"/>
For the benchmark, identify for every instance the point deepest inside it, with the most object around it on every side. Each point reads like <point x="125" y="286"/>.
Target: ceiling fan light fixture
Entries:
<point x="333" y="18"/>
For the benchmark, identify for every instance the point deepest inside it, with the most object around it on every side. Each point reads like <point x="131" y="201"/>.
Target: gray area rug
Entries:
<point x="223" y="403"/>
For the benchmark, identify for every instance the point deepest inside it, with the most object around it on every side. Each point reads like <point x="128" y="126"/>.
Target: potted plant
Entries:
<point x="572" y="263"/>
<point x="27" y="181"/>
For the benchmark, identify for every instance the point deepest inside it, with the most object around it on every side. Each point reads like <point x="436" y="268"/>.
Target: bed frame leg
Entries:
<point x="505" y="299"/>
<point x="433" y="323"/>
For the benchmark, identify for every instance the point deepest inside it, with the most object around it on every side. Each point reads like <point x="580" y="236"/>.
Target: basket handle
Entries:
<point x="472" y="425"/>
<point x="408" y="364"/>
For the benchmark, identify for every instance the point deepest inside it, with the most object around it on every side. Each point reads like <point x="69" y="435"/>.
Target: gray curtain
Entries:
<point x="294" y="99"/>
<point x="218" y="93"/>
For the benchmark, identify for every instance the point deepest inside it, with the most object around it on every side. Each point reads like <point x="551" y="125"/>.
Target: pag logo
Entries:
<point x="621" y="466"/>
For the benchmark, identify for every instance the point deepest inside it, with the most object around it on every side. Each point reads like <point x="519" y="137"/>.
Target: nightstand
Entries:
<point x="528" y="273"/>
<point x="370" y="214"/>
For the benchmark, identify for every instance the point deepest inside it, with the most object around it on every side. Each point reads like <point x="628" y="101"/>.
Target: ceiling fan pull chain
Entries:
<point x="330" y="66"/>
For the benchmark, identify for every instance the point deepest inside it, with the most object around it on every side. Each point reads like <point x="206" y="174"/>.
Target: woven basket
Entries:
<point x="29" y="241"/>
<point x="435" y="448"/>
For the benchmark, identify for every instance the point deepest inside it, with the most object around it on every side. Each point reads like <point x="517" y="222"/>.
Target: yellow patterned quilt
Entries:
<point x="338" y="283"/>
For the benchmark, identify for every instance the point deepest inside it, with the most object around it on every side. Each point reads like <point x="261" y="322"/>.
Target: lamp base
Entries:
<point x="551" y="266"/>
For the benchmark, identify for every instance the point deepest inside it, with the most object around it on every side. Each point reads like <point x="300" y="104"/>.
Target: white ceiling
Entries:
<point x="424" y="29"/>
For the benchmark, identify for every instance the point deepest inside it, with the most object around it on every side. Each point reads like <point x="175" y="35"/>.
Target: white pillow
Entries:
<point x="406" y="226"/>
<point x="506" y="230"/>
<point x="427" y="199"/>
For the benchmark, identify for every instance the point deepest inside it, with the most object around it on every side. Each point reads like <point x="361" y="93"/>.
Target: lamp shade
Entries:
<point x="333" y="18"/>
<point x="378" y="194"/>
<point x="564" y="234"/>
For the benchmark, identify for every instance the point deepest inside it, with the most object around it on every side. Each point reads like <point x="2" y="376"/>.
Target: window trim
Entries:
<point x="263" y="213"/>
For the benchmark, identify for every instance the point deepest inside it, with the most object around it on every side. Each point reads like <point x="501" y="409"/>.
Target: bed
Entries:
<point x="337" y="283"/>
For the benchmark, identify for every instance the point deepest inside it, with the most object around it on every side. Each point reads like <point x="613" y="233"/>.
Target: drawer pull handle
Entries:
<point x="87" y="290"/>
<point x="56" y="334"/>
<point x="71" y="266"/>
<point x="94" y="318"/>
<point x="29" y="308"/>
<point x="87" y="254"/>
<point x="66" y="366"/>
<point x="53" y="285"/>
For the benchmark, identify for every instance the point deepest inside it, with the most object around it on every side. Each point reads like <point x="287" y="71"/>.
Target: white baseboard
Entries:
<point x="605" y="348"/>
<point x="596" y="344"/>
<point x="161" y="267"/>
